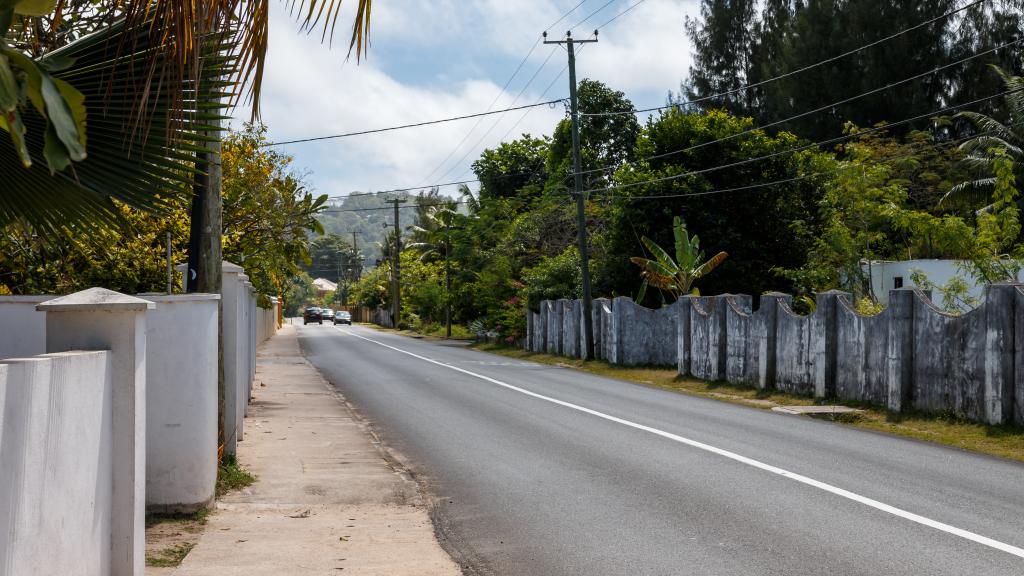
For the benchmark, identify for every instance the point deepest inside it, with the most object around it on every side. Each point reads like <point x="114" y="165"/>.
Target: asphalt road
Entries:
<point x="541" y="470"/>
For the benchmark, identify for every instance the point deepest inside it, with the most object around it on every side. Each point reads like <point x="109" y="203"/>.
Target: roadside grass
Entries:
<point x="1005" y="441"/>
<point x="231" y="477"/>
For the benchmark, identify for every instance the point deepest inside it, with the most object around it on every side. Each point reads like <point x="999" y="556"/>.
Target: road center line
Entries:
<point x="1019" y="552"/>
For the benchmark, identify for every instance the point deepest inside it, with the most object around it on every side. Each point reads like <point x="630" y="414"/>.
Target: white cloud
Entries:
<point x="310" y="90"/>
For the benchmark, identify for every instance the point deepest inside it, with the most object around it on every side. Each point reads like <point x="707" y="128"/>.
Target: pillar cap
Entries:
<point x="96" y="299"/>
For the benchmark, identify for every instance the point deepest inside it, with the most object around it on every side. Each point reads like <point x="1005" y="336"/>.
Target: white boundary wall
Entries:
<point x="181" y="402"/>
<point x="56" y="467"/>
<point x="22" y="329"/>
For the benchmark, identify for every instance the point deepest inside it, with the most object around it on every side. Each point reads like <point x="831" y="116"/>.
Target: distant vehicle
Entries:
<point x="342" y="317"/>
<point x="327" y="314"/>
<point x="312" y="314"/>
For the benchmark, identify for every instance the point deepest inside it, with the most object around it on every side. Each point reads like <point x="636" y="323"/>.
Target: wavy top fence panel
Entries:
<point x="911" y="355"/>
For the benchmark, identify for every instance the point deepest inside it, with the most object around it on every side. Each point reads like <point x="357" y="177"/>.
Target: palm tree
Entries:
<point x="675" y="276"/>
<point x="433" y="238"/>
<point x="113" y="100"/>
<point x="993" y="135"/>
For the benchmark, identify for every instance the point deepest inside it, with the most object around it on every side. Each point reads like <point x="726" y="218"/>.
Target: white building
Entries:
<point x="887" y="275"/>
<point x="323" y="286"/>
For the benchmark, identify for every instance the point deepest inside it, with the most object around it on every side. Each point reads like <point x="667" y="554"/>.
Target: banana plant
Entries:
<point x="675" y="276"/>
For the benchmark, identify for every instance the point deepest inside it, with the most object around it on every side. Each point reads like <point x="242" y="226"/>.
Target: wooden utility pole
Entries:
<point x="205" y="252"/>
<point x="396" y="270"/>
<point x="581" y="201"/>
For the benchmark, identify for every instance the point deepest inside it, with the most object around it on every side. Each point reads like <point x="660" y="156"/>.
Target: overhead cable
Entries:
<point x="390" y="128"/>
<point x="802" y="147"/>
<point x="803" y="114"/>
<point x="799" y="70"/>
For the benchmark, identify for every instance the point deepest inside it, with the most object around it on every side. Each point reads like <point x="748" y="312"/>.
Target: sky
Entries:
<point x="433" y="59"/>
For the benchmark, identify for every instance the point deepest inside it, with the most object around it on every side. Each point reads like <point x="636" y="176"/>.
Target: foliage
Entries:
<point x="554" y="278"/>
<point x="866" y="215"/>
<point x="267" y="214"/>
<point x="994" y="142"/>
<point x="130" y="258"/>
<point x="996" y="256"/>
<point x="956" y="296"/>
<point x="743" y="43"/>
<point x="231" y="476"/>
<point x="675" y="275"/>
<point x="513" y="168"/>
<point x="267" y="210"/>
<point x="298" y="292"/>
<point x="769" y="221"/>
<point x="607" y="138"/>
<point x="146" y="166"/>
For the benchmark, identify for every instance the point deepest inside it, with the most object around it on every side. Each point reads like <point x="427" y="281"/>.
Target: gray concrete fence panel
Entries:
<point x="707" y="337"/>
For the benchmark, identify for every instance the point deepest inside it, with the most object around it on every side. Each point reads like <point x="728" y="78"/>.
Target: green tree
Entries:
<point x="760" y="227"/>
<point x="608" y="136"/>
<point x="723" y="40"/>
<point x="268" y="213"/>
<point x="513" y="169"/>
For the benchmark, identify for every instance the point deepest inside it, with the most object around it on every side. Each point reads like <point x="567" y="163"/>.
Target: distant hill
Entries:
<point x="366" y="215"/>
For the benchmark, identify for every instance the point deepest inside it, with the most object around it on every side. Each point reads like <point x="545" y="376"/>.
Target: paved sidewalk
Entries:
<point x="326" y="500"/>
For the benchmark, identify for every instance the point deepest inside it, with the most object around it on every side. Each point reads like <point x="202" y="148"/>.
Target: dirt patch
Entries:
<point x="169" y="539"/>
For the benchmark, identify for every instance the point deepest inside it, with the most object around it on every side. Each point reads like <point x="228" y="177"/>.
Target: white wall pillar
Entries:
<point x="231" y="292"/>
<point x="100" y="319"/>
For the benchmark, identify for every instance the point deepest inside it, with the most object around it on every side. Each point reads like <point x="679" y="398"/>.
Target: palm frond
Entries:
<point x="980" y="146"/>
<point x="970" y="193"/>
<point x="244" y="24"/>
<point x="988" y="125"/>
<point x="141" y="166"/>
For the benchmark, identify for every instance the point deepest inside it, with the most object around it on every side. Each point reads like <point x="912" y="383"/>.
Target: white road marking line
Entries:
<point x="1019" y="552"/>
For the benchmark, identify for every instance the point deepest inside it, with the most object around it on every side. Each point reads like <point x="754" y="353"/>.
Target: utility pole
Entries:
<point x="396" y="274"/>
<point x="447" y="282"/>
<point x="355" y="257"/>
<point x="581" y="202"/>
<point x="448" y="278"/>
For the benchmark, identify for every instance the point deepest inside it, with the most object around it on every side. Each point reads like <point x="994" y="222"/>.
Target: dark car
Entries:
<point x="327" y="314"/>
<point x="312" y="314"/>
<point x="342" y="317"/>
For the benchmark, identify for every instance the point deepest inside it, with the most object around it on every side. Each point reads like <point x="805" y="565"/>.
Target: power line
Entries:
<point x="594" y="13"/>
<point x="337" y="210"/>
<point x="797" y="71"/>
<point x="377" y="130"/>
<point x="620" y="14"/>
<point x="803" y="147"/>
<point x="938" y="146"/>
<point x="566" y="15"/>
<point x="498" y="121"/>
<point x="491" y="106"/>
<point x="807" y="113"/>
<point x="500" y="93"/>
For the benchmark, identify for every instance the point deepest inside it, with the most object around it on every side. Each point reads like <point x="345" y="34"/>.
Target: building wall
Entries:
<point x="883" y="276"/>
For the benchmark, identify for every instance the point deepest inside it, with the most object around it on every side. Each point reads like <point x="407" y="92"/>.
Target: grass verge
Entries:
<point x="1005" y="441"/>
<point x="231" y="476"/>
